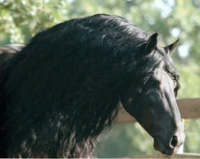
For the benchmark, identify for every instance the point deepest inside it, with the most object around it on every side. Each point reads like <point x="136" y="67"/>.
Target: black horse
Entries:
<point x="63" y="88"/>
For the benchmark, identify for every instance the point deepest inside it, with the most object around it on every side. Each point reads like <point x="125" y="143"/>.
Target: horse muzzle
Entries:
<point x="169" y="146"/>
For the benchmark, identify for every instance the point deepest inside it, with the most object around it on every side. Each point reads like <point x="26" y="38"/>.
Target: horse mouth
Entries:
<point x="165" y="148"/>
<point x="166" y="151"/>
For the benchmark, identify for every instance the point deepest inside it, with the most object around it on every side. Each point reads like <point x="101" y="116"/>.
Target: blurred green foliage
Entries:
<point x="172" y="19"/>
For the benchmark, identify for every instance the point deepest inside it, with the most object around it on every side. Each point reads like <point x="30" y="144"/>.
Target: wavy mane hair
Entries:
<point x="64" y="87"/>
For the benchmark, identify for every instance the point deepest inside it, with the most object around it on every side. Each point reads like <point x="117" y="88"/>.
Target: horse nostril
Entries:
<point x="174" y="141"/>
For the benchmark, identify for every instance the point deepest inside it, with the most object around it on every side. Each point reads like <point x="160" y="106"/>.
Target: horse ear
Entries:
<point x="168" y="49"/>
<point x="151" y="43"/>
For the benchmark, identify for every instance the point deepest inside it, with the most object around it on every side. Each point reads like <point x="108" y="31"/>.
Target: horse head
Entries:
<point x="152" y="97"/>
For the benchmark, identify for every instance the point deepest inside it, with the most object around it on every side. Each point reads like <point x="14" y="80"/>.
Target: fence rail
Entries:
<point x="184" y="155"/>
<point x="189" y="108"/>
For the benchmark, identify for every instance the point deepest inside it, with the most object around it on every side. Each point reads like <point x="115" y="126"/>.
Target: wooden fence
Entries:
<point x="189" y="108"/>
<point x="184" y="155"/>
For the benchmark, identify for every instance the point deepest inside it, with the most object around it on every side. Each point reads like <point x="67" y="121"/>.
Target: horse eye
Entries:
<point x="176" y="92"/>
<point x="153" y="82"/>
<point x="178" y="86"/>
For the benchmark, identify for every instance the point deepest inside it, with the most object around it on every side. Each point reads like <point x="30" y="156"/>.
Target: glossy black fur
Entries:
<point x="63" y="88"/>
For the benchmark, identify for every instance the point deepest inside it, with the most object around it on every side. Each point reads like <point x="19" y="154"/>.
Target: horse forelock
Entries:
<point x="148" y="63"/>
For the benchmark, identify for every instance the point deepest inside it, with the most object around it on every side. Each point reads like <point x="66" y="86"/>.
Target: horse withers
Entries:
<point x="63" y="88"/>
<point x="9" y="50"/>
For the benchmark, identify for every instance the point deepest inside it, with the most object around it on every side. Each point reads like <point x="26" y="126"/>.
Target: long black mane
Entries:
<point x="63" y="88"/>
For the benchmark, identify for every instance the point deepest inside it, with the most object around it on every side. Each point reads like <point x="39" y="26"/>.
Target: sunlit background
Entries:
<point x="172" y="19"/>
